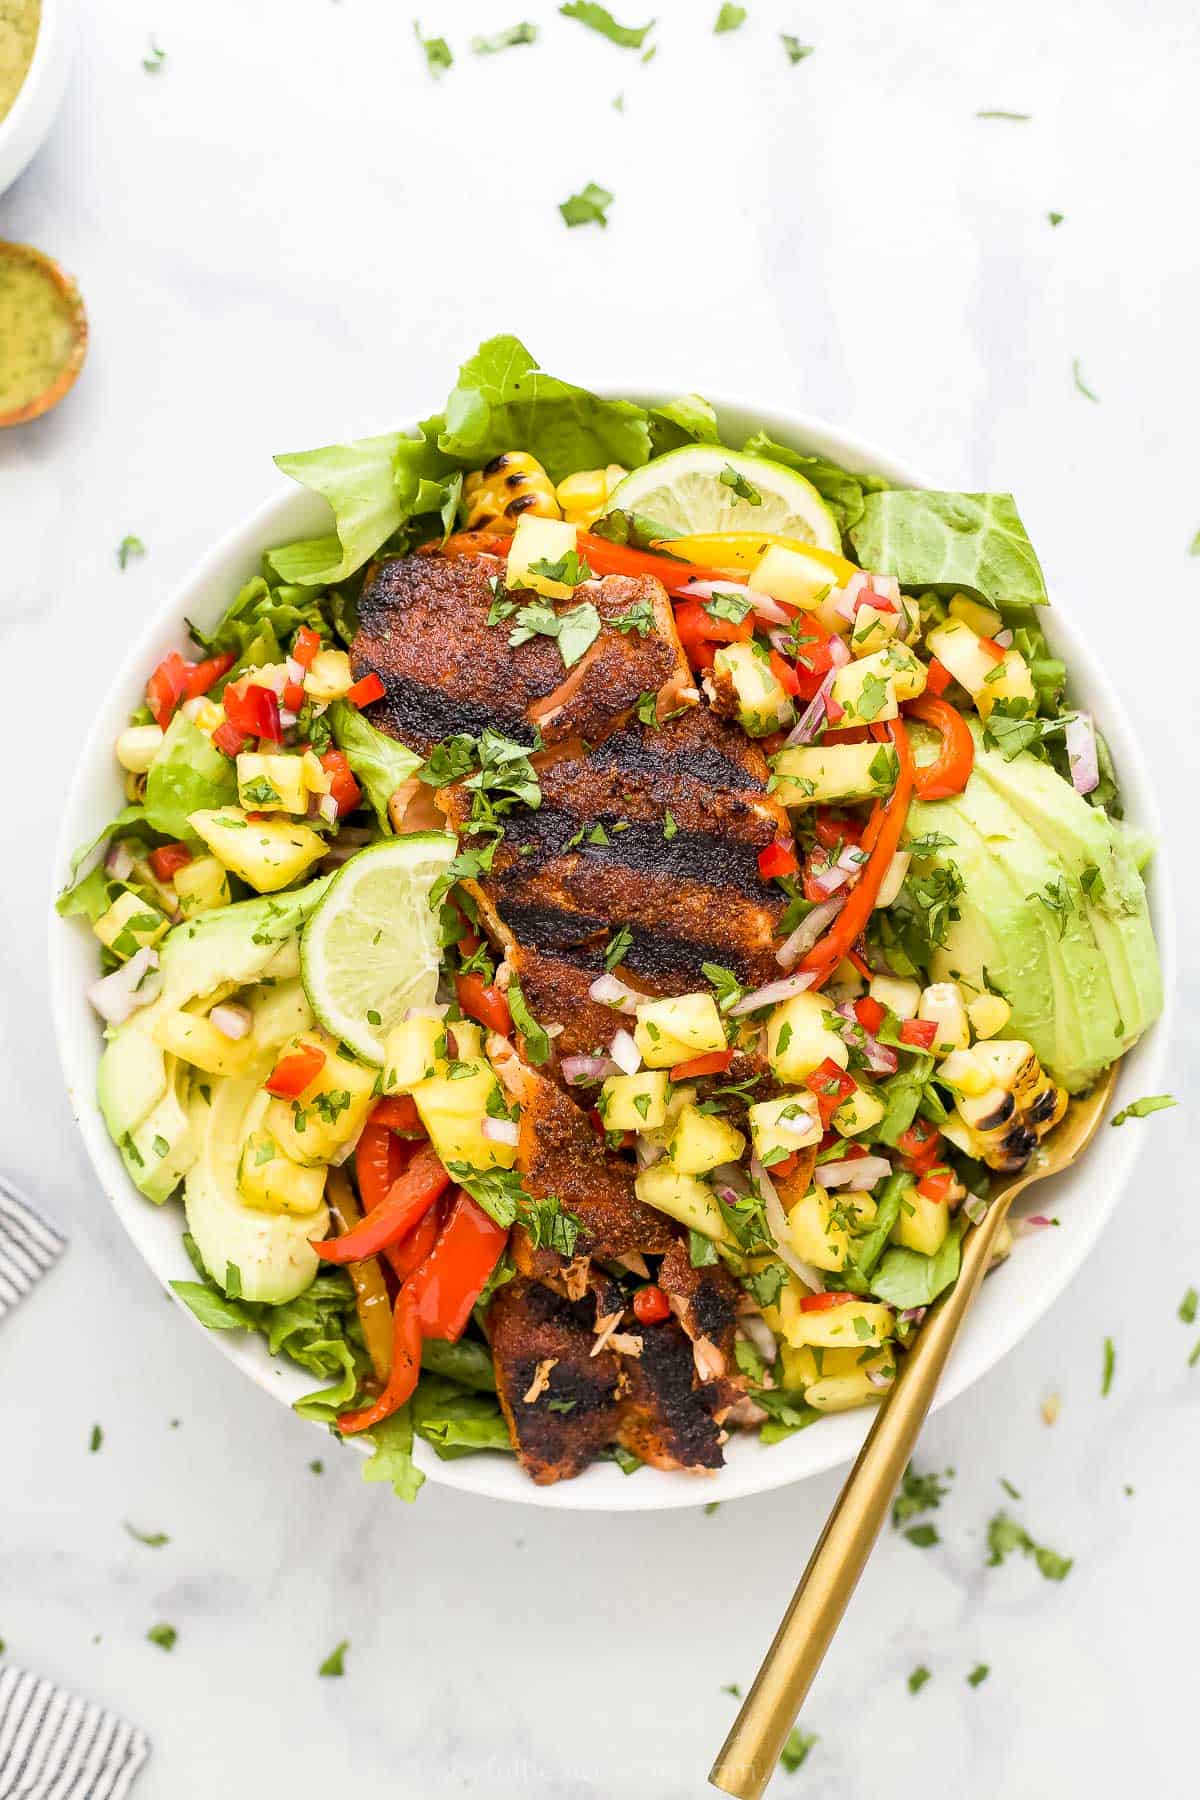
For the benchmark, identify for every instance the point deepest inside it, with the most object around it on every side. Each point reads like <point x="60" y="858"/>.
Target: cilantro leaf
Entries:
<point x="438" y="55"/>
<point x="335" y="1662"/>
<point x="588" y="207"/>
<point x="525" y="33"/>
<point x="796" y="51"/>
<point x="728" y="19"/>
<point x="598" y="18"/>
<point x="1141" y="1109"/>
<point x="127" y="549"/>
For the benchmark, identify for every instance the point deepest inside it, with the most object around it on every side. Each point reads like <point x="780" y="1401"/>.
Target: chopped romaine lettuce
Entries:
<point x="929" y="539"/>
<point x="378" y="762"/>
<point x="188" y="775"/>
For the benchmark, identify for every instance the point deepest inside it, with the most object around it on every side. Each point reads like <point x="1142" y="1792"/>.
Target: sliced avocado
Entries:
<point x="221" y="950"/>
<point x="270" y="1250"/>
<point x="160" y="1150"/>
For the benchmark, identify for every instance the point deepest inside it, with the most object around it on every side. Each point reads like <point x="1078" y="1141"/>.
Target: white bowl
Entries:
<point x="1012" y="1299"/>
<point x="40" y="94"/>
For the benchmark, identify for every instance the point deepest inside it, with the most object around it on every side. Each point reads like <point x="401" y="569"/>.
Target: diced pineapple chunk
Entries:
<point x="810" y="774"/>
<point x="635" y="1102"/>
<point x="328" y="676"/>
<point x="796" y="577"/>
<point x="858" y="1112"/>
<point x="848" y="1324"/>
<point x="1009" y="680"/>
<point x="271" y="1182"/>
<point x="683" y="1197"/>
<point x="280" y="1010"/>
<point x="988" y="1014"/>
<point x="847" y="980"/>
<point x="330" y="1112"/>
<point x="801" y="1035"/>
<point x="778" y="1127"/>
<point x="267" y="853"/>
<point x="703" y="1141"/>
<point x="762" y="701"/>
<point x="982" y="619"/>
<point x="201" y="886"/>
<point x="271" y="783"/>
<point x="817" y="1235"/>
<point x="873" y="629"/>
<point x="922" y="1223"/>
<point x="129" y="925"/>
<point x="852" y="1378"/>
<point x="411" y="1053"/>
<point x="865" y="692"/>
<point x="897" y="993"/>
<point x="196" y="1040"/>
<point x="537" y="540"/>
<point x="960" y="650"/>
<point x="942" y="1002"/>
<point x="316" y="779"/>
<point x="676" y="1030"/>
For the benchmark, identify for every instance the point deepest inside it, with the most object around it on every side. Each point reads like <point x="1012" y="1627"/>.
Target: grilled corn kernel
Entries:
<point x="137" y="747"/>
<point x="583" y="497"/>
<point x="942" y="1002"/>
<point x="988" y="1015"/>
<point x="204" y="714"/>
<point x="511" y="484"/>
<point x="1003" y="1125"/>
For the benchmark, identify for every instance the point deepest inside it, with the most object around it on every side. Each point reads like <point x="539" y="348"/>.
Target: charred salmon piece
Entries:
<point x="423" y="629"/>
<point x="705" y="1301"/>
<point x="560" y="1402"/>
<point x="666" y="1415"/>
<point x="561" y="1156"/>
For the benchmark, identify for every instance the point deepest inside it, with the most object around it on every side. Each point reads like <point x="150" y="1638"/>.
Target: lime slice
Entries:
<point x="370" y="950"/>
<point x="705" y="488"/>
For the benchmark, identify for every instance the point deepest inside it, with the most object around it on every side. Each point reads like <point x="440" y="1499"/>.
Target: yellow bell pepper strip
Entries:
<point x="370" y="1290"/>
<point x="742" y="549"/>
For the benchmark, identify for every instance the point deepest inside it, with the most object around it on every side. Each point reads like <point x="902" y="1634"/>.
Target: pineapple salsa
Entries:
<point x="798" y="994"/>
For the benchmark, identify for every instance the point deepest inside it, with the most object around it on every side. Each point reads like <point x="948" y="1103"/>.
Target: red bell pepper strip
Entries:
<point x="831" y="1086"/>
<point x="777" y="859"/>
<point x="483" y="1002"/>
<point x="293" y="696"/>
<point x="713" y="1062"/>
<point x="785" y="1167"/>
<point x="937" y="677"/>
<point x="936" y="1184"/>
<point x="881" y="840"/>
<point x="364" y="691"/>
<point x="919" y="1139"/>
<point x="699" y="632"/>
<point x="869" y="1013"/>
<point x="399" y="1113"/>
<point x="834" y="829"/>
<point x="200" y="677"/>
<point x="993" y="649"/>
<point x="823" y="1302"/>
<point x="406" y="1366"/>
<point x="454" y="1274"/>
<point x="293" y="1073"/>
<point x="650" y="1305"/>
<point x="305" y="646"/>
<point x="412" y="1250"/>
<point x="229" y="740"/>
<point x="342" y="785"/>
<point x="604" y="558"/>
<point x="378" y="1161"/>
<point x="784" y="674"/>
<point x="858" y="961"/>
<point x="168" y="859"/>
<point x="406" y="1202"/>
<point x="166" y="688"/>
<point x="253" y="709"/>
<point x="950" y="770"/>
<point x="919" y="1034"/>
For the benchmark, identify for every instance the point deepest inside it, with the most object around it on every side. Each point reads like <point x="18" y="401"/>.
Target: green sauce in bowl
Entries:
<point x="19" y="22"/>
<point x="43" y="333"/>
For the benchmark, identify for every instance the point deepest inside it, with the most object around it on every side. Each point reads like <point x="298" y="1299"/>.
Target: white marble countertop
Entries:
<point x="256" y="229"/>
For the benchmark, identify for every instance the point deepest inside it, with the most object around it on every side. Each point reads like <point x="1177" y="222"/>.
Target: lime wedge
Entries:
<point x="704" y="488"/>
<point x="370" y="950"/>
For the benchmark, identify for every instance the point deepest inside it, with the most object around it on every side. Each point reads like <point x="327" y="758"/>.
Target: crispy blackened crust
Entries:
<point x="666" y="1418"/>
<point x="575" y="1414"/>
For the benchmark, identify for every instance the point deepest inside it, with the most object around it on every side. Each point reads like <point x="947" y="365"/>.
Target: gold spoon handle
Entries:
<point x="749" y="1754"/>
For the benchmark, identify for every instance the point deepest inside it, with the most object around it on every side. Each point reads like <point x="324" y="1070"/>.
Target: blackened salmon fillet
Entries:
<point x="561" y="1403"/>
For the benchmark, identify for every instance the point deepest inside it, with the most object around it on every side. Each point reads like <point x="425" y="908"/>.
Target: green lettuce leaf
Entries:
<point x="867" y="1250"/>
<point x="378" y="762"/>
<point x="187" y="774"/>
<point x="372" y="487"/>
<point x="905" y="1278"/>
<point x="689" y="420"/>
<point x="326" y="1403"/>
<point x="458" y="1421"/>
<point x="973" y="541"/>
<point x="503" y="401"/>
<point x="262" y="615"/>
<point x="391" y="1459"/>
<point x="88" y="896"/>
<point x="467" y="1362"/>
<point x="842" y="492"/>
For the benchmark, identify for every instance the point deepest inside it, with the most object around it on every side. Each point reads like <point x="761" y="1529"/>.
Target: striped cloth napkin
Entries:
<point x="54" y="1746"/>
<point x="28" y="1247"/>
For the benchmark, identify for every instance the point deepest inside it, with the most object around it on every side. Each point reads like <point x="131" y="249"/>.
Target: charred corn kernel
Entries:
<point x="585" y="496"/>
<point x="315" y="778"/>
<point x="942" y="1002"/>
<point x="1013" y="1064"/>
<point x="897" y="993"/>
<point x="1003" y="1125"/>
<point x="137" y="747"/>
<point x="329" y="676"/>
<point x="129" y="925"/>
<point x="135" y="787"/>
<point x="988" y="1014"/>
<point x="965" y="1073"/>
<point x="513" y="483"/>
<point x="204" y="714"/>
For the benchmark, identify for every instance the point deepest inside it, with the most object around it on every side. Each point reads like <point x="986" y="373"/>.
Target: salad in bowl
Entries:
<point x="585" y="933"/>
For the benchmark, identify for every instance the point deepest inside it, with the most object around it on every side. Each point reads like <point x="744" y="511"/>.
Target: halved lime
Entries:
<point x="370" y="950"/>
<point x="704" y="488"/>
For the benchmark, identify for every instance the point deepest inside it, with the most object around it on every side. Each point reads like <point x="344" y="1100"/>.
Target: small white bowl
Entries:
<point x="1012" y="1299"/>
<point x="32" y="114"/>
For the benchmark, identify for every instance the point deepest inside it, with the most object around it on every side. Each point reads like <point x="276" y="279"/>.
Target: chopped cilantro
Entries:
<point x="728" y="19"/>
<point x="798" y="1743"/>
<point x="1055" y="218"/>
<point x="670" y="828"/>
<point x="731" y="477"/>
<point x="1005" y="1535"/>
<point x="1141" y="1109"/>
<point x="731" y="607"/>
<point x="438" y="56"/>
<point x="1187" y="1308"/>
<point x="525" y="33"/>
<point x="588" y="207"/>
<point x="537" y="1043"/>
<point x="918" y="1493"/>
<point x="978" y="1675"/>
<point x="335" y="1662"/>
<point x="165" y="1636"/>
<point x="598" y="18"/>
<point x="796" y="51"/>
<point x="615" y="949"/>
<point x="918" y="1678"/>
<point x="127" y="549"/>
<point x="1110" y="1363"/>
<point x="923" y="1536"/>
<point x="154" y="1540"/>
<point x="1080" y="384"/>
<point x="152" y="62"/>
<point x="1019" y="118"/>
<point x="97" y="1435"/>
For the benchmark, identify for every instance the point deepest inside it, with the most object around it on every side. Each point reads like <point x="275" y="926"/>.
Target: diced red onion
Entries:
<point x="611" y="992"/>
<point x="1004" y="639"/>
<point x="975" y="1208"/>
<point x="887" y="585"/>
<point x="762" y="604"/>
<point x="119" y="861"/>
<point x="426" y="1012"/>
<point x="839" y="651"/>
<point x="136" y="983"/>
<point x="829" y="878"/>
<point x="881" y="1058"/>
<point x="1083" y="758"/>
<point x="327" y="806"/>
<point x="500" y="1131"/>
<point x="1034" y="1223"/>
<point x="295" y="670"/>
<point x="813" y="716"/>
<point x="777" y="1220"/>
<point x="772" y="994"/>
<point x="856" y="1173"/>
<point x="913" y="1315"/>
<point x="783" y="641"/>
<point x="760" y="1335"/>
<point x="878" y="1379"/>
<point x="810" y="928"/>
<point x="232" y="1020"/>
<point x="579" y="1070"/>
<point x="625" y="1053"/>
<point x="647" y="1154"/>
<point x="287" y="719"/>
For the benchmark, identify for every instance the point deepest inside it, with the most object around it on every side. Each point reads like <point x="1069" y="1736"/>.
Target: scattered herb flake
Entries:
<point x="1080" y="384"/>
<point x="335" y="1662"/>
<point x="438" y="55"/>
<point x="127" y="549"/>
<point x="598" y="18"/>
<point x="978" y="1675"/>
<point x="1005" y="1535"/>
<point x="1012" y="1492"/>
<point x="796" y="51"/>
<point x="796" y="1747"/>
<point x="588" y="207"/>
<point x="733" y="478"/>
<point x="165" y="1636"/>
<point x="1141" y="1109"/>
<point x="918" y="1678"/>
<point x="918" y="1493"/>
<point x="97" y="1436"/>
<point x="923" y="1536"/>
<point x="730" y="17"/>
<point x="1110" y="1363"/>
<point x="1187" y="1313"/>
<point x="524" y="33"/>
<point x="317" y="1466"/>
<point x="154" y="1540"/>
<point x="616" y="947"/>
<point x="670" y="828"/>
<point x="730" y="1687"/>
<point x="1055" y="218"/>
<point x="152" y="62"/>
<point x="998" y="113"/>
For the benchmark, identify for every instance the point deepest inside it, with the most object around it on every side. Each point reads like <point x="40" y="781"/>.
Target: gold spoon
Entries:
<point x="749" y="1754"/>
